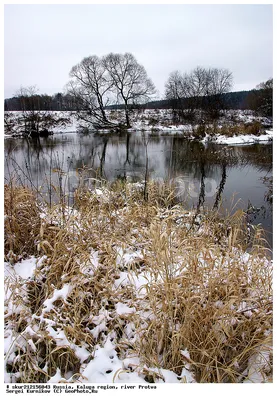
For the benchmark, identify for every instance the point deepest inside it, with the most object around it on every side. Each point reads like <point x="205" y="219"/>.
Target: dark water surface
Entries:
<point x="204" y="175"/>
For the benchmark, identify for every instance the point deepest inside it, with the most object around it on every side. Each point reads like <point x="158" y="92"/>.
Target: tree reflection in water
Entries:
<point x="139" y="157"/>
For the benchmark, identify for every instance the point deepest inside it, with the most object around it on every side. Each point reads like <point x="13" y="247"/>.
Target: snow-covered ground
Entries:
<point x="240" y="139"/>
<point x="160" y="122"/>
<point x="105" y="365"/>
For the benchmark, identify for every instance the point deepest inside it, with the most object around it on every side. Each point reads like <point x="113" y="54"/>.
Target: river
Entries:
<point x="204" y="175"/>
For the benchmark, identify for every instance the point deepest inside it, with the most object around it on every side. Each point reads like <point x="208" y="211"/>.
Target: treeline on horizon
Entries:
<point x="241" y="100"/>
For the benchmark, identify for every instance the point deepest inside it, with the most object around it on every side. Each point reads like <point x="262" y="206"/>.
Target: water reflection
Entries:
<point x="207" y="175"/>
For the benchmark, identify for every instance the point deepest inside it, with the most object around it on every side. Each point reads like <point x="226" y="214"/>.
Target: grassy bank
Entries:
<point x="230" y="123"/>
<point x="119" y="289"/>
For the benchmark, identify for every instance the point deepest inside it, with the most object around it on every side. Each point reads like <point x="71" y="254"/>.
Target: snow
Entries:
<point x="24" y="269"/>
<point x="58" y="294"/>
<point x="127" y="257"/>
<point x="105" y="365"/>
<point x="138" y="281"/>
<point x="56" y="378"/>
<point x="159" y="121"/>
<point x="240" y="139"/>
<point x="122" y="309"/>
<point x="91" y="267"/>
<point x="258" y="363"/>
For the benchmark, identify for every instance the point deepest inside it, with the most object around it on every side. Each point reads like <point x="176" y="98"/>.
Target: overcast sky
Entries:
<point x="43" y="42"/>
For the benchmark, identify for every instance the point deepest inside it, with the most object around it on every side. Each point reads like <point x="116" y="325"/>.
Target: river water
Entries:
<point x="207" y="175"/>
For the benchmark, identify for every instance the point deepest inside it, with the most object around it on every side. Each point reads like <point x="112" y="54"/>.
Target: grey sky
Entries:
<point x="43" y="42"/>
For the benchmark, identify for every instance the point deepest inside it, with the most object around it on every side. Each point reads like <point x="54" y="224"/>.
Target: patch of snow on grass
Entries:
<point x="240" y="139"/>
<point x="258" y="364"/>
<point x="58" y="294"/>
<point x="25" y="268"/>
<point x="122" y="309"/>
<point x="138" y="281"/>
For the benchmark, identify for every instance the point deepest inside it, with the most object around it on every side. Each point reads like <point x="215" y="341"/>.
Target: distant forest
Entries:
<point x="59" y="102"/>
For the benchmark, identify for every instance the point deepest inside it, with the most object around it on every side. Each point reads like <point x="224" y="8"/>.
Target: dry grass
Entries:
<point x="22" y="221"/>
<point x="200" y="292"/>
<point x="235" y="129"/>
<point x="228" y="129"/>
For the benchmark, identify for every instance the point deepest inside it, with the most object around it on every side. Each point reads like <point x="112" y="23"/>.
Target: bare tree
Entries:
<point x="260" y="99"/>
<point x="99" y="82"/>
<point x="30" y="109"/>
<point x="217" y="81"/>
<point x="174" y="92"/>
<point x="182" y="91"/>
<point x="130" y="81"/>
<point x="91" y="86"/>
<point x="201" y="89"/>
<point x="34" y="120"/>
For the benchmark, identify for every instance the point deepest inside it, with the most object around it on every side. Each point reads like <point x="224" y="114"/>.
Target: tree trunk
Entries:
<point x="127" y="117"/>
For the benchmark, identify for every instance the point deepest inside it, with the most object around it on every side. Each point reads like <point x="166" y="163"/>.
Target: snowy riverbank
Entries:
<point x="240" y="139"/>
<point x="234" y="122"/>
